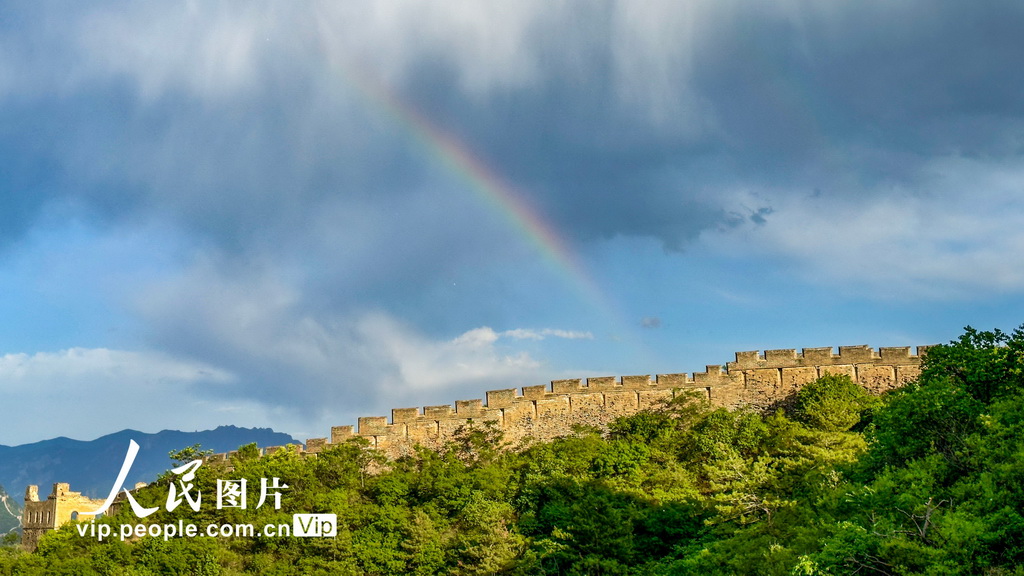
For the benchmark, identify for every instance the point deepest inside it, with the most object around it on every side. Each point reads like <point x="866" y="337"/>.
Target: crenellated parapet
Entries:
<point x="754" y="379"/>
<point x="60" y="507"/>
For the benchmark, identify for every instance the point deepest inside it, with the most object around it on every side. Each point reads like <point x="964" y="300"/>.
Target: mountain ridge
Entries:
<point x="10" y="513"/>
<point x="91" y="466"/>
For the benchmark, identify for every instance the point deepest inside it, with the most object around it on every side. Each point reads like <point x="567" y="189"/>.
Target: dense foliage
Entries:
<point x="926" y="480"/>
<point x="9" y="511"/>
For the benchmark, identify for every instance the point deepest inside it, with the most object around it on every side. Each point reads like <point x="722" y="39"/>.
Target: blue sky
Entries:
<point x="294" y="214"/>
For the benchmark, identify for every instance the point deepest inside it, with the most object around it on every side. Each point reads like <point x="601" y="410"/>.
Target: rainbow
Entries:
<point x="488" y="186"/>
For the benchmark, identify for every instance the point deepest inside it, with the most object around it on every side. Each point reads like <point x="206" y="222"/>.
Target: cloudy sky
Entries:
<point x="294" y="214"/>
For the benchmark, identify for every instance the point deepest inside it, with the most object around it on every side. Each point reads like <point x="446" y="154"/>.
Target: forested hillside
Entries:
<point x="926" y="480"/>
<point x="9" y="512"/>
<point x="90" y="465"/>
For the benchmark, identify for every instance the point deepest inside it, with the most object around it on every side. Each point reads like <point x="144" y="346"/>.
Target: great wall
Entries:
<point x="754" y="380"/>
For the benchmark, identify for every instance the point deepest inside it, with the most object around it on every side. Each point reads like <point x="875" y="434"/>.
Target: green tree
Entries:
<point x="934" y="416"/>
<point x="833" y="403"/>
<point x="985" y="364"/>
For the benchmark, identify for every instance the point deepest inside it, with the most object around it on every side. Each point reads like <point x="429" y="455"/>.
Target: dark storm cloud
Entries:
<point x="841" y="99"/>
<point x="650" y="322"/>
<point x="779" y="95"/>
<point x="279" y="143"/>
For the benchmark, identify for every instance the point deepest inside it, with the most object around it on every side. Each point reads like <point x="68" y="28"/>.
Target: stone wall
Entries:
<point x="756" y="380"/>
<point x="60" y="507"/>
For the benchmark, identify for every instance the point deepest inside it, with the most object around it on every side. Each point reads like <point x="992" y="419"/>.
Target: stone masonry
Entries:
<point x="60" y="507"/>
<point x="754" y="380"/>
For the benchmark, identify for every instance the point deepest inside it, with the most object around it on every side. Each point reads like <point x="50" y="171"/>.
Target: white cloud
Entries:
<point x="78" y="364"/>
<point x="649" y="49"/>
<point x="491" y="44"/>
<point x="250" y="357"/>
<point x="319" y="368"/>
<point x="289" y="354"/>
<point x="215" y="51"/>
<point x="210" y="51"/>
<point x="956" y="234"/>
<point x="527" y="334"/>
<point x="471" y="358"/>
<point x="97" y="391"/>
<point x="653" y="46"/>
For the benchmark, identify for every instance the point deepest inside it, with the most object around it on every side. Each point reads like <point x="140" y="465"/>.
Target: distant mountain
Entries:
<point x="9" y="512"/>
<point x="92" y="466"/>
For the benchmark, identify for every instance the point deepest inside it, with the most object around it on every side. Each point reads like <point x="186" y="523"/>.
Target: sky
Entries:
<point x="293" y="214"/>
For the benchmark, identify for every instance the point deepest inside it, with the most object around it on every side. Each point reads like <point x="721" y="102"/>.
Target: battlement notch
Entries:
<point x="754" y="379"/>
